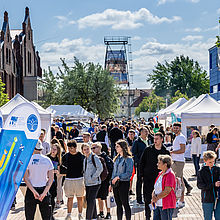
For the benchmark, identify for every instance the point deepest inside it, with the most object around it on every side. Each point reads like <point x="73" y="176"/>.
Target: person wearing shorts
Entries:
<point x="74" y="182"/>
<point x="179" y="146"/>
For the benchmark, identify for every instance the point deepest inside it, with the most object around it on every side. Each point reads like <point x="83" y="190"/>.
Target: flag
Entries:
<point x="17" y="142"/>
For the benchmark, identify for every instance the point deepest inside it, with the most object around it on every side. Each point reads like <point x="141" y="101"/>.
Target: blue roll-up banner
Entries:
<point x="17" y="142"/>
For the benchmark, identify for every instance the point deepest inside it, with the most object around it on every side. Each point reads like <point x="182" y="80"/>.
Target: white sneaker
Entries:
<point x="68" y="217"/>
<point x="180" y="205"/>
<point x="80" y="216"/>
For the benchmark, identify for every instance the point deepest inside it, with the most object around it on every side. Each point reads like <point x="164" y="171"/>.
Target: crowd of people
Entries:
<point x="105" y="163"/>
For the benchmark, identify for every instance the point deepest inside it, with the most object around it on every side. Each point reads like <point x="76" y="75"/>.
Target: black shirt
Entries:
<point x="56" y="163"/>
<point x="74" y="165"/>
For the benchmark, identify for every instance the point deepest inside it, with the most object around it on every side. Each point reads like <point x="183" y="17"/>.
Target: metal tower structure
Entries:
<point x="118" y="60"/>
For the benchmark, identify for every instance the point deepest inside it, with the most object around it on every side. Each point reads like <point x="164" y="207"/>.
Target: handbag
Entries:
<point x="111" y="201"/>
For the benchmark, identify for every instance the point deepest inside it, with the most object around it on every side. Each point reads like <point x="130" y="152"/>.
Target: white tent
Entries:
<point x="45" y="116"/>
<point x="203" y="112"/>
<point x="183" y="107"/>
<point x="163" y="114"/>
<point x="69" y="111"/>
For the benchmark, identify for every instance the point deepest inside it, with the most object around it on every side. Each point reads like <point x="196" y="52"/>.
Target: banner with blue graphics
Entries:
<point x="17" y="142"/>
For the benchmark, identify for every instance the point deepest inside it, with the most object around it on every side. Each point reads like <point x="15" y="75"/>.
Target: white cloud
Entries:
<point x="196" y="29"/>
<point x="144" y="62"/>
<point x="218" y="11"/>
<point x="212" y="28"/>
<point x="80" y="48"/>
<point x="145" y="58"/>
<point x="161" y="2"/>
<point x="192" y="37"/>
<point x="64" y="21"/>
<point x="123" y="19"/>
<point x="194" y="1"/>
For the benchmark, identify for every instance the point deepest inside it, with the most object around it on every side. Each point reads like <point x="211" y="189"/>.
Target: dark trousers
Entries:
<point x="31" y="203"/>
<point x="186" y="183"/>
<point x="113" y="151"/>
<point x="163" y="214"/>
<point x="53" y="194"/>
<point x="148" y="189"/>
<point x="139" y="185"/>
<point x="122" y="199"/>
<point x="196" y="160"/>
<point x="91" y="194"/>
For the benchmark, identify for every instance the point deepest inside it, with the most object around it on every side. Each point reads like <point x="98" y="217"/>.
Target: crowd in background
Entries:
<point x="105" y="161"/>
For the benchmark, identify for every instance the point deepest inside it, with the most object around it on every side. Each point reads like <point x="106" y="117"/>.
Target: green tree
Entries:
<point x="88" y="85"/>
<point x="151" y="103"/>
<point x="183" y="74"/>
<point x="3" y="96"/>
<point x="178" y="95"/>
<point x="49" y="88"/>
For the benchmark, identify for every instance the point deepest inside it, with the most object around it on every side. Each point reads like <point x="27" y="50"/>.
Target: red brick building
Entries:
<point x="19" y="62"/>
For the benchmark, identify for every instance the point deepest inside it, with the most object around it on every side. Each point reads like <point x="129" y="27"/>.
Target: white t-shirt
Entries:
<point x="38" y="167"/>
<point x="158" y="190"/>
<point x="180" y="139"/>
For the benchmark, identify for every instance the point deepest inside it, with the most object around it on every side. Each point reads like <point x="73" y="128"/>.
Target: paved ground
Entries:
<point x="191" y="211"/>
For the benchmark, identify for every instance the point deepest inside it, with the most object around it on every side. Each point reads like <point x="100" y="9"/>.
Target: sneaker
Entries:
<point x="131" y="193"/>
<point x="80" y="217"/>
<point x="57" y="205"/>
<point x="180" y="205"/>
<point x="100" y="215"/>
<point x="68" y="217"/>
<point x="108" y="216"/>
<point x="189" y="189"/>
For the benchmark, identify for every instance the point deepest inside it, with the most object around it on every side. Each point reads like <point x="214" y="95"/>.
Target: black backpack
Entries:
<point x="104" y="173"/>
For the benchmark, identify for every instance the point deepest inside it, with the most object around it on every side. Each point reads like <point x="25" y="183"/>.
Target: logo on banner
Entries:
<point x="32" y="123"/>
<point x="13" y="121"/>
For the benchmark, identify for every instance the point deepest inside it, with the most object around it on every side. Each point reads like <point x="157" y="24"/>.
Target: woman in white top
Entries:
<point x="196" y="150"/>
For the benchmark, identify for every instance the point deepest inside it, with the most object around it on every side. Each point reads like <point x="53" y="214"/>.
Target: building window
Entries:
<point x="9" y="56"/>
<point x="215" y="88"/>
<point x="210" y="60"/>
<point x="219" y="87"/>
<point x="29" y="62"/>
<point x="8" y="37"/>
<point x="6" y="55"/>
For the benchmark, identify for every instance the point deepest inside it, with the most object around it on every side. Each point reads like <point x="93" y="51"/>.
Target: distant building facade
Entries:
<point x="214" y="72"/>
<point x="19" y="62"/>
<point x="130" y="100"/>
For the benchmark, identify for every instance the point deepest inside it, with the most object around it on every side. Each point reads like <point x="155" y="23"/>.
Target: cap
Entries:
<point x="39" y="145"/>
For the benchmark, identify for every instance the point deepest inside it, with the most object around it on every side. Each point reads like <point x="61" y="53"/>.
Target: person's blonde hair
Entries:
<point x="58" y="151"/>
<point x="208" y="155"/>
<point x="98" y="144"/>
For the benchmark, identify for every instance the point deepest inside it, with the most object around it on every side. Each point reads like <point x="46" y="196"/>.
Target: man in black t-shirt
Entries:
<point x="74" y="182"/>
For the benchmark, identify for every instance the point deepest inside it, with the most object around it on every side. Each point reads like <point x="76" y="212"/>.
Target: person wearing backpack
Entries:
<point x="92" y="169"/>
<point x="163" y="196"/>
<point x="120" y="181"/>
<point x="103" y="191"/>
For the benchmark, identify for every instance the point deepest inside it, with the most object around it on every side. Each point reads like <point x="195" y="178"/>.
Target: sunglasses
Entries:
<point x="93" y="148"/>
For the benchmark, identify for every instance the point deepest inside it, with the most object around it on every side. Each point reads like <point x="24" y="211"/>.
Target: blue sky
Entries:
<point x="159" y="29"/>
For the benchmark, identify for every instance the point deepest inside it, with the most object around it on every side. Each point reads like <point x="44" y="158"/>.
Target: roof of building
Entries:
<point x="139" y="99"/>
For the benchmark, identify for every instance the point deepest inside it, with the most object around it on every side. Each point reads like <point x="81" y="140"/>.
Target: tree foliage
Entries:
<point x="178" y="95"/>
<point x="49" y="88"/>
<point x="151" y="103"/>
<point x="183" y="74"/>
<point x="3" y="96"/>
<point x="88" y="85"/>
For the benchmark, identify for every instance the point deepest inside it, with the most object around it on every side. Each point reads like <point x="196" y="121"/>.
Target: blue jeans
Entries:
<point x="208" y="209"/>
<point x="196" y="160"/>
<point x="160" y="214"/>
